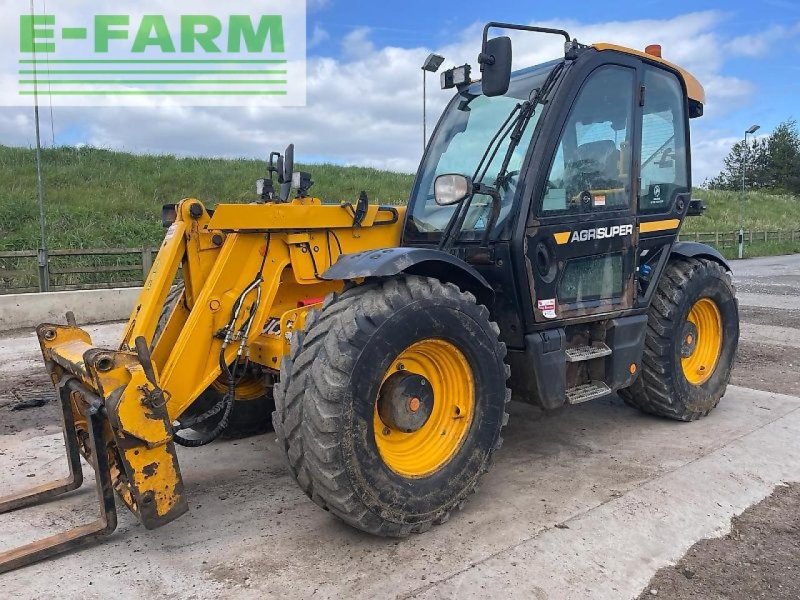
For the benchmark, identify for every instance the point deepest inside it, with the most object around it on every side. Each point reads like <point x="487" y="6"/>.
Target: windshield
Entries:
<point x="464" y="132"/>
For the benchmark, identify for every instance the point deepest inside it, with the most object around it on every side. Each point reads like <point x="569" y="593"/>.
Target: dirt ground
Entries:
<point x="766" y="366"/>
<point x="759" y="558"/>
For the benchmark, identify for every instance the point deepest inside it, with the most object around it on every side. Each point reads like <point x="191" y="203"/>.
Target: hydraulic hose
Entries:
<point x="225" y="404"/>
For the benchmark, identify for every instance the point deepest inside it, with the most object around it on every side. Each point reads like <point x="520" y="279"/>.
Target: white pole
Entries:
<point x="741" y="202"/>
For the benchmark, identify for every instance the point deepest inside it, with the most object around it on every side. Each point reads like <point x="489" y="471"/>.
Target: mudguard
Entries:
<point x="427" y="262"/>
<point x="698" y="250"/>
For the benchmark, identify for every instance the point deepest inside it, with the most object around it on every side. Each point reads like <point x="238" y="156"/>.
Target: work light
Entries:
<point x="456" y="77"/>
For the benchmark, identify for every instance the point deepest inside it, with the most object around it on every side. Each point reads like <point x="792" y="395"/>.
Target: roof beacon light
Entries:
<point x="653" y="50"/>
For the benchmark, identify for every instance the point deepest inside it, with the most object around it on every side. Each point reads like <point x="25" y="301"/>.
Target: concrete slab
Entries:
<point x="251" y="533"/>
<point x="90" y="306"/>
<point x="610" y="551"/>
<point x="768" y="300"/>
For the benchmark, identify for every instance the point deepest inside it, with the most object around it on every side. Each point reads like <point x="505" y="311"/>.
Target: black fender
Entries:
<point x="427" y="262"/>
<point x="698" y="250"/>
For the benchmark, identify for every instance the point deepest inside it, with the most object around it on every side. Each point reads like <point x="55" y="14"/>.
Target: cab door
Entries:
<point x="581" y="235"/>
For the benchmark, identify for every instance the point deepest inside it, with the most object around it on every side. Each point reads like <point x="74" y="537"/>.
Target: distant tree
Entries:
<point x="756" y="170"/>
<point x="773" y="163"/>
<point x="784" y="157"/>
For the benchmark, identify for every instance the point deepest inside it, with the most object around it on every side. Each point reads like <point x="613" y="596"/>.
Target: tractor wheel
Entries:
<point x="390" y="405"/>
<point x="251" y="411"/>
<point x="691" y="340"/>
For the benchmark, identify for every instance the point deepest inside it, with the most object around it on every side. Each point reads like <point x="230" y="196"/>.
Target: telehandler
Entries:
<point x="537" y="258"/>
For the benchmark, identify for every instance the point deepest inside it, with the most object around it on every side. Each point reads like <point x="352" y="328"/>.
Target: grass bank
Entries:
<point x="99" y="198"/>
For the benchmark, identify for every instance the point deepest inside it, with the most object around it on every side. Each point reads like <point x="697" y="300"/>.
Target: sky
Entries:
<point x="364" y="84"/>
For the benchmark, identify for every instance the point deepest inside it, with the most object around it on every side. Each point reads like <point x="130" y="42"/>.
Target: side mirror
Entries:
<point x="451" y="189"/>
<point x="285" y="172"/>
<point x="288" y="164"/>
<point x="495" y="60"/>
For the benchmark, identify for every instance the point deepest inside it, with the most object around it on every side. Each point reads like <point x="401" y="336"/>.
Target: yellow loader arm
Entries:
<point x="243" y="266"/>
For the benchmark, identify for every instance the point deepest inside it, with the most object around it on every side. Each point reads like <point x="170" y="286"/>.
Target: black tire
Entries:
<point x="248" y="417"/>
<point x="662" y="387"/>
<point x="328" y="387"/>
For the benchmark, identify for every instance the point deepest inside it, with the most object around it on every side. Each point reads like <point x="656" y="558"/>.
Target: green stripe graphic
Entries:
<point x="153" y="81"/>
<point x="152" y="72"/>
<point x="159" y="93"/>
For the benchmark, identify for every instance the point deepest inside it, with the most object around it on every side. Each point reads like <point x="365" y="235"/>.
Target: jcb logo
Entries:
<point x="601" y="233"/>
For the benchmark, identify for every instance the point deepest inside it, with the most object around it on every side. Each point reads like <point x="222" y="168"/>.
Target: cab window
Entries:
<point x="663" y="170"/>
<point x="591" y="168"/>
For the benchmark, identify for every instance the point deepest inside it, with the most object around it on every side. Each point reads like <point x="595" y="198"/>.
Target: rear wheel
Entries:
<point x="692" y="335"/>
<point x="390" y="405"/>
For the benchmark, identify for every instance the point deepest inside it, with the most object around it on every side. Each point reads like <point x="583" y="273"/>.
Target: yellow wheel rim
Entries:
<point x="702" y="344"/>
<point x="452" y="406"/>
<point x="249" y="388"/>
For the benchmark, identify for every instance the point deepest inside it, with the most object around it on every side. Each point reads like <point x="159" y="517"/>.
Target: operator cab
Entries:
<point x="564" y="185"/>
<point x="579" y="157"/>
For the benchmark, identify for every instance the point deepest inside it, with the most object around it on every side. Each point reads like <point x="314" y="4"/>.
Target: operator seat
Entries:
<point x="601" y="157"/>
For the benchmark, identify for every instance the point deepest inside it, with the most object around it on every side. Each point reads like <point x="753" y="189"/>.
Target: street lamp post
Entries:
<point x="745" y="155"/>
<point x="431" y="64"/>
<point x="44" y="273"/>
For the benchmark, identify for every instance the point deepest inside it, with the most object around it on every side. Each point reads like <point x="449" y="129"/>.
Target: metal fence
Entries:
<point x="23" y="270"/>
<point x="730" y="239"/>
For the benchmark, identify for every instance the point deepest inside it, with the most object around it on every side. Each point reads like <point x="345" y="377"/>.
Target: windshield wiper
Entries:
<point x="526" y="114"/>
<point x="515" y="125"/>
<point x="453" y="228"/>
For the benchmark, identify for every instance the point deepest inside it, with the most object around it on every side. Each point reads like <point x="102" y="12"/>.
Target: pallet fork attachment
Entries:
<point x="91" y="407"/>
<point x="120" y="406"/>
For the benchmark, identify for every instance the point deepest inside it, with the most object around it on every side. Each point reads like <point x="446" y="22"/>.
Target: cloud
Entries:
<point x="756" y="45"/>
<point x="708" y="153"/>
<point x="365" y="106"/>
<point x="356" y="44"/>
<point x="318" y="36"/>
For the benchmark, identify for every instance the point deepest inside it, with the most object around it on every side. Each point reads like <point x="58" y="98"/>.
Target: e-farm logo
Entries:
<point x="187" y="56"/>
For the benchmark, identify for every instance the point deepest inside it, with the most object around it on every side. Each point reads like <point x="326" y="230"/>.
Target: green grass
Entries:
<point x="102" y="199"/>
<point x="762" y="211"/>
